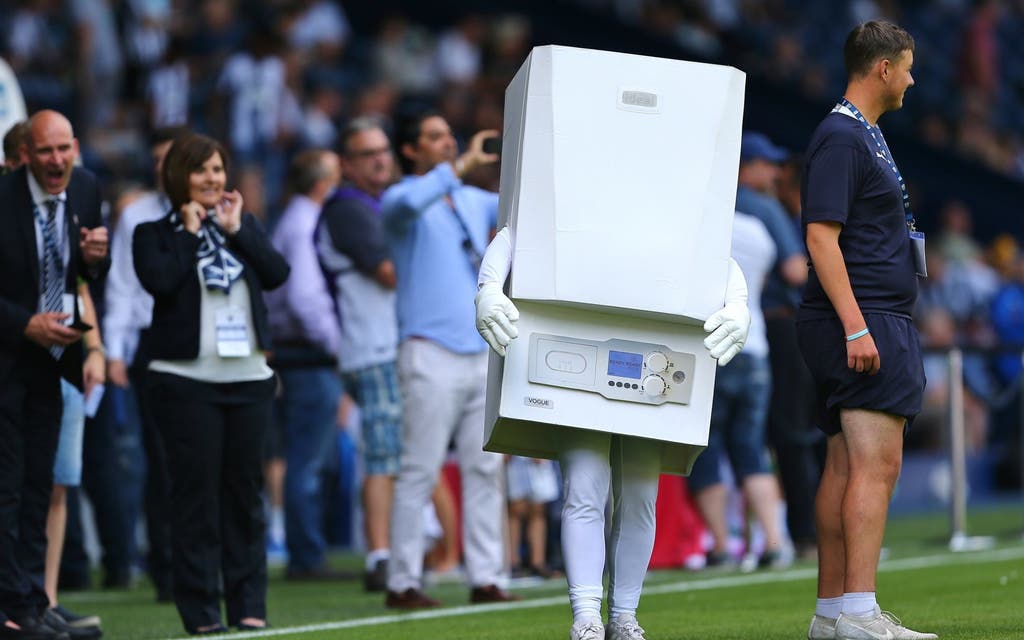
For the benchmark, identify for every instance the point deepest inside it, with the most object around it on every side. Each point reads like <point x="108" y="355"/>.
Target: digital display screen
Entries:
<point x="625" y="365"/>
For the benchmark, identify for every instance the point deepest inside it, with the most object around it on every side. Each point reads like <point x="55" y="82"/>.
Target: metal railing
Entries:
<point x="959" y="539"/>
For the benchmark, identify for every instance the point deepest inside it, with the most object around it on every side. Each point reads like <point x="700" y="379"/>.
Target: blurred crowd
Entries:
<point x="286" y="73"/>
<point x="270" y="77"/>
<point x="968" y="96"/>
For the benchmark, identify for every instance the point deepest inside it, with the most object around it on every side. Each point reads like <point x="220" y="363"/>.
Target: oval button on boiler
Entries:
<point x="565" y="362"/>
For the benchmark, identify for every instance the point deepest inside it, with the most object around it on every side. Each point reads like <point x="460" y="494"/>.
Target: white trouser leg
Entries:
<point x="587" y="480"/>
<point x="636" y="466"/>
<point x="483" y="496"/>
<point x="430" y="409"/>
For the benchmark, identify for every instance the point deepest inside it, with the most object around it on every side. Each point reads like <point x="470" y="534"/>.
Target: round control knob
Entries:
<point x="657" y="361"/>
<point x="654" y="386"/>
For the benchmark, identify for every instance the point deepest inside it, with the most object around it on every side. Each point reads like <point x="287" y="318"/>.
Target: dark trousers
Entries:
<point x="112" y="471"/>
<point x="157" y="490"/>
<point x="214" y="435"/>
<point x="30" y="412"/>
<point x="799" y="446"/>
<point x="74" y="573"/>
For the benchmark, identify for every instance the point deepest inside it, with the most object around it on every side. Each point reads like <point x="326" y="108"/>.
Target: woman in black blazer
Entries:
<point x="206" y="265"/>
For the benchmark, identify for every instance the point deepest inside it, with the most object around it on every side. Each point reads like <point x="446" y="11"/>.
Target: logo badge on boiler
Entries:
<point x="539" y="403"/>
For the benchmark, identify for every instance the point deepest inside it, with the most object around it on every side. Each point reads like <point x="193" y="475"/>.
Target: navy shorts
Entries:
<point x="896" y="389"/>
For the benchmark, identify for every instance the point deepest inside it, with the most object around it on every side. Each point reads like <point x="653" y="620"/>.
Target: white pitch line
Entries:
<point x="905" y="564"/>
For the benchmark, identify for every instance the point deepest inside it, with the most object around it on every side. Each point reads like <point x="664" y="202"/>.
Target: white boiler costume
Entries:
<point x="618" y="189"/>
<point x="595" y="462"/>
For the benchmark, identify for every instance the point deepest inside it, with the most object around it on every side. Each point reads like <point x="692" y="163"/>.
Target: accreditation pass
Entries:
<point x="232" y="333"/>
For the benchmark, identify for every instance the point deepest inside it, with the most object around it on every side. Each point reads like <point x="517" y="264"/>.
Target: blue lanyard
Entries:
<point x="49" y="241"/>
<point x="883" y="149"/>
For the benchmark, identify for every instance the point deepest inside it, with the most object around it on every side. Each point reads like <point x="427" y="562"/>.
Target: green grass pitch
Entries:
<point x="961" y="596"/>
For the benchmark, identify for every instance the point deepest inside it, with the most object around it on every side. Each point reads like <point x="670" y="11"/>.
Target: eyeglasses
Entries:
<point x="369" y="153"/>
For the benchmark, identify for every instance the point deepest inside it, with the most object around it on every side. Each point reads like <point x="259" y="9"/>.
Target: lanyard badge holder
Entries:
<point x="474" y="256"/>
<point x="916" y="237"/>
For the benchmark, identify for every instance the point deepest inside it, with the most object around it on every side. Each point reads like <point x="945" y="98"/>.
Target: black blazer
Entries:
<point x="19" y="264"/>
<point x="165" y="261"/>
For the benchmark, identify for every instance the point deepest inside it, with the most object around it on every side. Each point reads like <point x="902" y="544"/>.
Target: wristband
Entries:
<point x="860" y="334"/>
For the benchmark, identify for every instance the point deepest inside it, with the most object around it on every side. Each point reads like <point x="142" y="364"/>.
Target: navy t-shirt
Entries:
<point x="847" y="180"/>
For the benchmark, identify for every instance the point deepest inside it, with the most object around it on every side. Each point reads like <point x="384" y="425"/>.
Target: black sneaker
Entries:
<point x="53" y="620"/>
<point x="774" y="559"/>
<point x="76" y="620"/>
<point x="376" y="579"/>
<point x="720" y="560"/>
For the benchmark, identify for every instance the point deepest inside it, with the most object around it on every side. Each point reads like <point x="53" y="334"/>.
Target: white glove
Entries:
<point x="729" y="325"/>
<point x="496" y="317"/>
<point x="728" y="328"/>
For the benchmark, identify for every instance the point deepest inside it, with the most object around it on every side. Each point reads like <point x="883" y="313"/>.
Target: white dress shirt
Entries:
<point x="129" y="306"/>
<point x="39" y="198"/>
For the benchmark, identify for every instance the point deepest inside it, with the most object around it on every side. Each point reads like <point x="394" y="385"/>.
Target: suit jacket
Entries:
<point x="19" y="264"/>
<point x="165" y="261"/>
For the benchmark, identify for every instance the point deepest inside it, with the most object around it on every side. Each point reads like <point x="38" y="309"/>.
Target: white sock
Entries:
<point x="277" y="524"/>
<point x="586" y="604"/>
<point x="374" y="556"/>
<point x="829" y="607"/>
<point x="859" y="603"/>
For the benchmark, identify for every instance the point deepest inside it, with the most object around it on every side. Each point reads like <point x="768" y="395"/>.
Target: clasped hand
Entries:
<point x="227" y="213"/>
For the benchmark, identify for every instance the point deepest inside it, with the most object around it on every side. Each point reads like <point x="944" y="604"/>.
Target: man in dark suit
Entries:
<point x="53" y="235"/>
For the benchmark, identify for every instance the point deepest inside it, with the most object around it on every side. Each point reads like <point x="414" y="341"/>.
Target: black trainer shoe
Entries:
<point x="54" y="620"/>
<point x="376" y="579"/>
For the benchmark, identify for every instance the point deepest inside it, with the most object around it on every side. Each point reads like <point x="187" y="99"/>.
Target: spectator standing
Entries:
<point x="799" y="446"/>
<point x="129" y="312"/>
<point x="738" y="415"/>
<point x="855" y="330"/>
<point x="206" y="266"/>
<point x="532" y="485"/>
<point x="355" y="256"/>
<point x="306" y="338"/>
<point x="56" y="210"/>
<point x="438" y="229"/>
<point x="261" y="113"/>
<point x="67" y="469"/>
<point x="759" y="173"/>
<point x="13" y="140"/>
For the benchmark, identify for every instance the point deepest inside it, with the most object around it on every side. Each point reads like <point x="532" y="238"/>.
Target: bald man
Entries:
<point x="52" y="235"/>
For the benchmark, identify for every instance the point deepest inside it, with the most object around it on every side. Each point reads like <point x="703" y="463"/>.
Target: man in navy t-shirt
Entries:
<point x="855" y="330"/>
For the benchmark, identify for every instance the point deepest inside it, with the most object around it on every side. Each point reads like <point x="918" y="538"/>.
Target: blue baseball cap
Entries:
<point x="757" y="146"/>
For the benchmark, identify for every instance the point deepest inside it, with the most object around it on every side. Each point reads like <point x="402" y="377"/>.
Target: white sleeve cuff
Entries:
<point x="497" y="260"/>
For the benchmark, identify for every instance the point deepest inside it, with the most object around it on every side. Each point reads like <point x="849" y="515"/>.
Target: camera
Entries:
<point x="492" y="145"/>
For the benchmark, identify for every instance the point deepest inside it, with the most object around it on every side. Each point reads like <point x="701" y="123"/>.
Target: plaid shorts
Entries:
<point x="375" y="390"/>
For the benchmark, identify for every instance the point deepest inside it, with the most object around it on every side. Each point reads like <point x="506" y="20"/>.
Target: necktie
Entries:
<point x="53" y="268"/>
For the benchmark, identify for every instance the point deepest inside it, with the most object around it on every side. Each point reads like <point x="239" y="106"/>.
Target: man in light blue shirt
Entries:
<point x="438" y="229"/>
